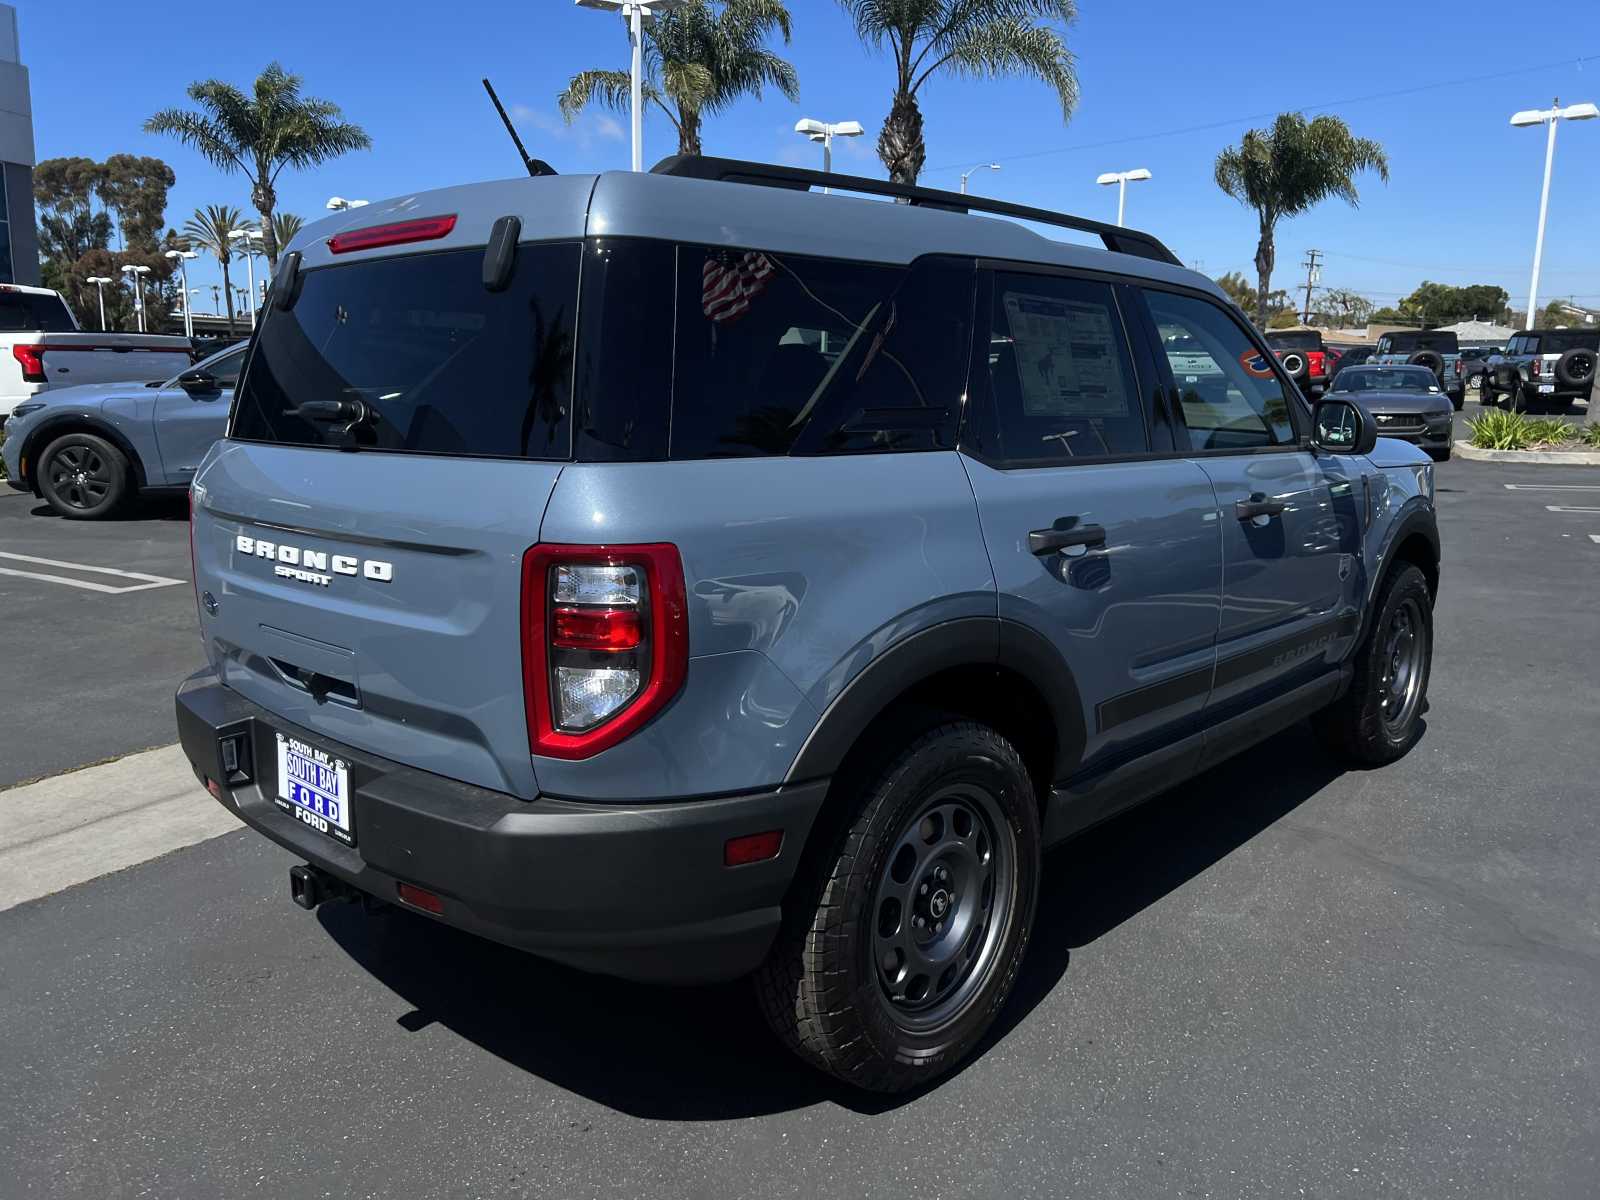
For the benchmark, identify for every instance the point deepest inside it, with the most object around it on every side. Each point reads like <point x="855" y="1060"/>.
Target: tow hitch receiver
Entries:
<point x="309" y="887"/>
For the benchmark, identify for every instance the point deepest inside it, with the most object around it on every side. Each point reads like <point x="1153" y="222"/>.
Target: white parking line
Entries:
<point x="146" y="582"/>
<point x="1551" y="487"/>
<point x="1595" y="538"/>
<point x="1565" y="508"/>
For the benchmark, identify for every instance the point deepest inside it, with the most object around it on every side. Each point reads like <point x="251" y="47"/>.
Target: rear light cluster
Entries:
<point x="1315" y="363"/>
<point x="31" y="358"/>
<point x="605" y="643"/>
<point x="1536" y="367"/>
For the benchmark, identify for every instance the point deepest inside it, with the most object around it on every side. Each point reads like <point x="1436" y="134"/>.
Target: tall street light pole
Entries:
<point x="100" y="282"/>
<point x="1547" y="116"/>
<point x="965" y="175"/>
<point x="183" y="257"/>
<point x="245" y="236"/>
<point x="823" y="133"/>
<point x="1122" y="179"/>
<point x="637" y="12"/>
<point x="135" y="276"/>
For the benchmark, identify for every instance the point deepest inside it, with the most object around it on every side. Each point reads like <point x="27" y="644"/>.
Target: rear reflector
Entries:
<point x="752" y="848"/>
<point x="213" y="787"/>
<point x="421" y="229"/>
<point x="420" y="898"/>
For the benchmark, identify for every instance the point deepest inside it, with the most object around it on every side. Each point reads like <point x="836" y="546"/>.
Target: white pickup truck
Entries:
<point x="41" y="348"/>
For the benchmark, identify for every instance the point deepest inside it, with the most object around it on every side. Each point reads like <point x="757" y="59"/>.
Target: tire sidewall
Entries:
<point x="929" y="1052"/>
<point x="115" y="494"/>
<point x="1409" y="582"/>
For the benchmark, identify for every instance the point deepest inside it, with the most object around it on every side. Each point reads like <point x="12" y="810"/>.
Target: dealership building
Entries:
<point x="19" y="237"/>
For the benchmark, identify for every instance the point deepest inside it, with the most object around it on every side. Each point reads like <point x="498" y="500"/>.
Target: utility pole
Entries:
<point x="1312" y="275"/>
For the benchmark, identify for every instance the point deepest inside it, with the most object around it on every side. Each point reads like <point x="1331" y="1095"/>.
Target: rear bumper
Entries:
<point x="638" y="891"/>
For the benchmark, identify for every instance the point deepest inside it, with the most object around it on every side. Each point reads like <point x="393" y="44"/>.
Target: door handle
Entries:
<point x="1051" y="541"/>
<point x="1259" y="505"/>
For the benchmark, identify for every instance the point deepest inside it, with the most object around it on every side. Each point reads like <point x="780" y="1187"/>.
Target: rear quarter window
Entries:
<point x="25" y="312"/>
<point x="432" y="361"/>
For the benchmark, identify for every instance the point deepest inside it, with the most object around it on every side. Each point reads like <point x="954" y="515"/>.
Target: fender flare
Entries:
<point x="963" y="642"/>
<point x="1419" y="520"/>
<point x="81" y="421"/>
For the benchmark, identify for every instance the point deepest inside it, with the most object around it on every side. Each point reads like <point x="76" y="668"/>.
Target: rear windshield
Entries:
<point x="1295" y="341"/>
<point x="25" y="312"/>
<point x="415" y="355"/>
<point x="1405" y="343"/>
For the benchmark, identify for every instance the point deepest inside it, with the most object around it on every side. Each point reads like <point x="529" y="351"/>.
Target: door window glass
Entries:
<point x="1230" y="397"/>
<point x="1060" y="372"/>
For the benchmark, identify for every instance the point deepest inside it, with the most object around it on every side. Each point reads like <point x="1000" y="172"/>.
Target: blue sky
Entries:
<point x="1460" y="207"/>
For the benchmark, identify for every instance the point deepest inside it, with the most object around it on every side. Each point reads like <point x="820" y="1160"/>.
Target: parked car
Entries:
<point x="685" y="578"/>
<point x="1474" y="361"/>
<point x="1436" y="349"/>
<point x="1543" y="367"/>
<point x="41" y="349"/>
<point x="1349" y="356"/>
<point x="1304" y="356"/>
<point x="87" y="450"/>
<point x="1405" y="402"/>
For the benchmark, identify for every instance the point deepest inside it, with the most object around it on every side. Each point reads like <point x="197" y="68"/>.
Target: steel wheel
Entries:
<point x="942" y="905"/>
<point x="80" y="475"/>
<point x="1404" y="648"/>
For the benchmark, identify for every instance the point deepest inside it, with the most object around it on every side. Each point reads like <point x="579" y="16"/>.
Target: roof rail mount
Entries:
<point x="732" y="170"/>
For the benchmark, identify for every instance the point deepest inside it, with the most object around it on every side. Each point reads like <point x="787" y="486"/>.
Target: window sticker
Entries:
<point x="1255" y="362"/>
<point x="1068" y="363"/>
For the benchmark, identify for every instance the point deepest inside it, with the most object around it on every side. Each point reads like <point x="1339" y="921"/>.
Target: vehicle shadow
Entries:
<point x="162" y="507"/>
<point x="701" y="1054"/>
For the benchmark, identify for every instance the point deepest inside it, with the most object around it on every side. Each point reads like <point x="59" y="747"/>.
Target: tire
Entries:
<point x="83" y="477"/>
<point x="1576" y="369"/>
<point x="1440" y="455"/>
<point x="1296" y="366"/>
<point x="950" y="796"/>
<point x="1458" y="400"/>
<point x="1358" y="726"/>
<point x="1430" y="359"/>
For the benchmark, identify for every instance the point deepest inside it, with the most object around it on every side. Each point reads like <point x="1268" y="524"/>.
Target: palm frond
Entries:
<point x="1014" y="46"/>
<point x="609" y="89"/>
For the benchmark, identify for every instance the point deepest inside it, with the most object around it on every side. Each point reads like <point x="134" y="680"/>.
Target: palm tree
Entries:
<point x="208" y="230"/>
<point x="285" y="226"/>
<point x="261" y="134"/>
<point x="986" y="38"/>
<point x="698" y="61"/>
<point x="1283" y="171"/>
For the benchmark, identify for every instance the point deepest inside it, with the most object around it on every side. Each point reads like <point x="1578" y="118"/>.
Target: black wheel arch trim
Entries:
<point x="962" y="642"/>
<point x="79" y="422"/>
<point x="1419" y="520"/>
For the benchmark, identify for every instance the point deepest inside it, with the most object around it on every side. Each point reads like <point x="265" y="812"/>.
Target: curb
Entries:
<point x="1548" y="458"/>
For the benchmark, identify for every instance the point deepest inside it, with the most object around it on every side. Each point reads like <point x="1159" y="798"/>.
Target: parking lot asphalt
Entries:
<point x="97" y="625"/>
<point x="1281" y="979"/>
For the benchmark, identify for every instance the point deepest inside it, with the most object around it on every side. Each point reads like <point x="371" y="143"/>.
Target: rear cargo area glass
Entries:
<point x="423" y="357"/>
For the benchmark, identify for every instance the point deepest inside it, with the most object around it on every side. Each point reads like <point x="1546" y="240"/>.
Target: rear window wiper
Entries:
<point x="346" y="415"/>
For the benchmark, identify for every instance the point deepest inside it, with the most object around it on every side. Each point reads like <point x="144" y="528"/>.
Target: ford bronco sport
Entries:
<point x="686" y="575"/>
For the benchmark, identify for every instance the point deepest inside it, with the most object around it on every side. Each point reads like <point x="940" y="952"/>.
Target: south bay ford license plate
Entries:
<point x="314" y="788"/>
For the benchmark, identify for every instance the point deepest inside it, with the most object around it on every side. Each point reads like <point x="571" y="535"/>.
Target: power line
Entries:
<point x="1261" y="116"/>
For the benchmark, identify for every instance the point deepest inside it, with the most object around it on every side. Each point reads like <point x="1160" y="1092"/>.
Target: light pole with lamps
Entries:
<point x="183" y="257"/>
<point x="339" y="203"/>
<point x="966" y="175"/>
<point x="247" y="236"/>
<point x="824" y="133"/>
<point x="135" y="274"/>
<point x="1122" y="179"/>
<point x="1547" y="116"/>
<point x="100" y="282"/>
<point x="637" y="13"/>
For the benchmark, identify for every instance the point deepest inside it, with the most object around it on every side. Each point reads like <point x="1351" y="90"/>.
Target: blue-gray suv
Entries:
<point x="688" y="575"/>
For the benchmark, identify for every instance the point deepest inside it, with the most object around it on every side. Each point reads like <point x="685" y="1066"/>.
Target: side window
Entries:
<point x="783" y="354"/>
<point x="226" y="370"/>
<point x="1231" y="400"/>
<point x="1060" y="372"/>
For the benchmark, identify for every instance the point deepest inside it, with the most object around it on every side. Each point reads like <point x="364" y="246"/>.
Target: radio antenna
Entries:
<point x="536" y="166"/>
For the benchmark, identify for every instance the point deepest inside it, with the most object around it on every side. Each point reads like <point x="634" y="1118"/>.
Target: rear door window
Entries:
<point x="785" y="354"/>
<point x="1229" y="395"/>
<point x="413" y="354"/>
<point x="28" y="312"/>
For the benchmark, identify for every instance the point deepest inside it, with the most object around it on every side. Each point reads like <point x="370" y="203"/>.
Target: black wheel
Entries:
<point x="1440" y="455"/>
<point x="1378" y="719"/>
<point x="906" y="938"/>
<point x="82" y="476"/>
<point x="1458" y="400"/>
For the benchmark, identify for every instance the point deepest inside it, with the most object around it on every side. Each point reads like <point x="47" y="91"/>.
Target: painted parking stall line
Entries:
<point x="1551" y="487"/>
<point x="1568" y="508"/>
<point x="140" y="581"/>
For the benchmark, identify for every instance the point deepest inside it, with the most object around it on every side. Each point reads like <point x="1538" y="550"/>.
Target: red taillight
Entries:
<point x="419" y="898"/>
<point x="1535" y="367"/>
<point x="32" y="360"/>
<point x="752" y="848"/>
<point x="605" y="643"/>
<point x="419" y="229"/>
<point x="595" y="629"/>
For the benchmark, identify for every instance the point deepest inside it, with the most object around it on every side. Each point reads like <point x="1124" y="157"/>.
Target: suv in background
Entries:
<point x="686" y="575"/>
<point x="1436" y="349"/>
<point x="1304" y="357"/>
<point x="1543" y="366"/>
<point x="1474" y="361"/>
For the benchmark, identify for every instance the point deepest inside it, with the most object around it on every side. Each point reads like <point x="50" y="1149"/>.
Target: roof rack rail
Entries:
<point x="732" y="170"/>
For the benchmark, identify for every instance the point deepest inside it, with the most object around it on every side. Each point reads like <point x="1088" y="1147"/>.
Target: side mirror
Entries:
<point x="1342" y="427"/>
<point x="195" y="381"/>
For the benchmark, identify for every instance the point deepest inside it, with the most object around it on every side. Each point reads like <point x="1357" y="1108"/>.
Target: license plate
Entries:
<point x="314" y="788"/>
<point x="1546" y="387"/>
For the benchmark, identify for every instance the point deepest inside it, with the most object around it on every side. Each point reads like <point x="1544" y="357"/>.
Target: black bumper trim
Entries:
<point x="634" y="890"/>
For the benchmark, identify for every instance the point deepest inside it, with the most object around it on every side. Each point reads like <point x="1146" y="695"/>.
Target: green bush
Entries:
<point x="1550" y="432"/>
<point x="1500" y="429"/>
<point x="1591" y="435"/>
